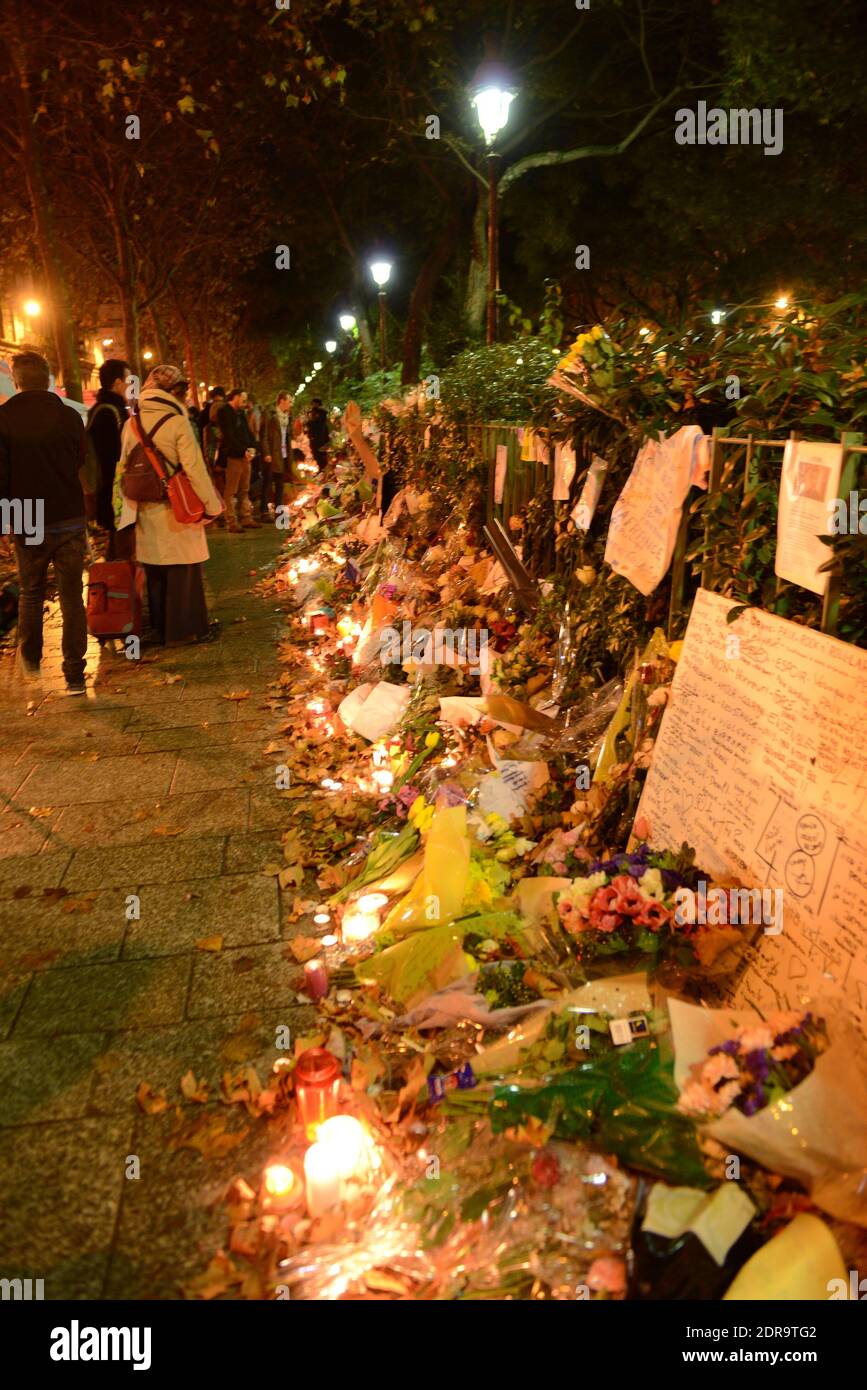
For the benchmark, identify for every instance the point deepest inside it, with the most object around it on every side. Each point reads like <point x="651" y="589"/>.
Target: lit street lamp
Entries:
<point x="347" y="322"/>
<point x="493" y="94"/>
<point x="381" y="272"/>
<point x="330" y="345"/>
<point x="32" y="308"/>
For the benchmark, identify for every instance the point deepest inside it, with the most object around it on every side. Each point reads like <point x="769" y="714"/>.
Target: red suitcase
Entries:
<point x="115" y="591"/>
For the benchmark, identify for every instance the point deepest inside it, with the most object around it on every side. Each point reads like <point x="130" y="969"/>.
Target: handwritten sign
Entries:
<point x="760" y="765"/>
<point x="647" y="513"/>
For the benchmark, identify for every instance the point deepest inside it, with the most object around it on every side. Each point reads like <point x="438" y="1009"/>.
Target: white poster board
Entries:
<point x="761" y="766"/>
<point x="809" y="483"/>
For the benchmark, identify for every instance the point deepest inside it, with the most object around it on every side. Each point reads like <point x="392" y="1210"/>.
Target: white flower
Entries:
<point x="651" y="885"/>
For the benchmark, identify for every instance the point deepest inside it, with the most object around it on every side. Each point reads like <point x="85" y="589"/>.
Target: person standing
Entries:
<point x="238" y="449"/>
<point x="275" y="443"/>
<point x="171" y="551"/>
<point x="318" y="432"/>
<point x="41" y="458"/>
<point x="105" y="421"/>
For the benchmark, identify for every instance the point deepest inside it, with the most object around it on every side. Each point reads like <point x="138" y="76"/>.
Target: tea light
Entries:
<point x="383" y="778"/>
<point x="321" y="918"/>
<point x="347" y="1140"/>
<point x="282" y="1187"/>
<point x="322" y="1176"/>
<point x="371" y="902"/>
<point x="316" y="979"/>
<point x="359" y="926"/>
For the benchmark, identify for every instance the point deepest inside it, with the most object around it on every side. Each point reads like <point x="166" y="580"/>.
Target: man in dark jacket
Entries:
<point x="318" y="432"/>
<point x="41" y="457"/>
<point x="275" y="444"/>
<point x="237" y="450"/>
<point x="105" y="421"/>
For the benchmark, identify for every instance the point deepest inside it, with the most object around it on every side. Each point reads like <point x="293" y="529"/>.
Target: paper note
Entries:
<point x="500" y="473"/>
<point x="809" y="483"/>
<point x="585" y="508"/>
<point x="647" y="513"/>
<point x="759" y="764"/>
<point x="565" y="465"/>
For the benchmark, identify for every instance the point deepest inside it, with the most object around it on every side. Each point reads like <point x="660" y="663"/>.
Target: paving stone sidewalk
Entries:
<point x="154" y="785"/>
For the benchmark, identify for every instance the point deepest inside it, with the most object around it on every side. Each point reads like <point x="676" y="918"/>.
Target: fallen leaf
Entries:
<point x="150" y="1101"/>
<point x="193" y="1089"/>
<point x="237" y="695"/>
<point x="166" y="830"/>
<point x="23" y="891"/>
<point x="292" y="876"/>
<point x="41" y="811"/>
<point x="304" y="948"/>
<point x="210" y="943"/>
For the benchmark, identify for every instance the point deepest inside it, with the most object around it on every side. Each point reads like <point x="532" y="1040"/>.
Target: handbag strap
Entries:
<point x="147" y="443"/>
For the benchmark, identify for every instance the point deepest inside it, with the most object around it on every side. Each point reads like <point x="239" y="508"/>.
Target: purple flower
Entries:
<point x="670" y="879"/>
<point x="730" y="1048"/>
<point x="757" y="1062"/>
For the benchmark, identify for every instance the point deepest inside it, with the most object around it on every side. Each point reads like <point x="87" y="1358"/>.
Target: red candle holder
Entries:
<point x="317" y="1081"/>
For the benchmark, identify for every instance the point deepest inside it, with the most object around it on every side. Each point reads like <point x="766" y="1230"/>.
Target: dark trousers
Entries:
<point x="272" y="488"/>
<point x="176" y="602"/>
<point x="65" y="551"/>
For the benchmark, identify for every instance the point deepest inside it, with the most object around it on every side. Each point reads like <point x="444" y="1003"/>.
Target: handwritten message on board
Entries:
<point x="760" y="764"/>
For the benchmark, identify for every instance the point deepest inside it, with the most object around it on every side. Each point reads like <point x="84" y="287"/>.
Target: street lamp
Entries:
<point x="317" y="366"/>
<point x="347" y="322"/>
<point x="32" y="308"/>
<point x="381" y="272"/>
<point x="493" y="94"/>
<point x="330" y="345"/>
<point x="147" y="355"/>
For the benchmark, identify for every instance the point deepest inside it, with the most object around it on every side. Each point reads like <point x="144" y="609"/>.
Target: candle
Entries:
<point x="383" y="778"/>
<point x="371" y="902"/>
<point x="359" y="926"/>
<point x="316" y="979"/>
<point x="347" y="1140"/>
<point x="317" y="1080"/>
<point x="322" y="1174"/>
<point x="282" y="1187"/>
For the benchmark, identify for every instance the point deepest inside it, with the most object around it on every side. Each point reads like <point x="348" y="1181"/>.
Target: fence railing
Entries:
<point x="524" y="479"/>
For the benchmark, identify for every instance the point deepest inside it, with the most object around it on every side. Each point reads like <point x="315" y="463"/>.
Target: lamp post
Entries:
<point x="493" y="94"/>
<point x="347" y="322"/>
<point x="381" y="272"/>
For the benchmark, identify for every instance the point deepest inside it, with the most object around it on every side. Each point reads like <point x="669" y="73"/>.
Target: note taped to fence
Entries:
<point x="647" y="513"/>
<point x="809" y="483"/>
<point x="760" y="766"/>
<point x="500" y="473"/>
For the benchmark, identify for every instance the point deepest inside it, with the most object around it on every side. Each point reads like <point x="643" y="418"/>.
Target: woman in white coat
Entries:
<point x="171" y="551"/>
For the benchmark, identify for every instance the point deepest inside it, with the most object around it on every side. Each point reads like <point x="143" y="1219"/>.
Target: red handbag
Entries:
<point x="187" y="506"/>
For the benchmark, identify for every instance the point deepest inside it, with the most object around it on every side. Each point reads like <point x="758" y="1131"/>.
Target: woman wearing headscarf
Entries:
<point x="171" y="551"/>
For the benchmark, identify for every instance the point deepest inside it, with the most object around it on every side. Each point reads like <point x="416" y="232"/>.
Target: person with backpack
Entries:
<point x="105" y="421"/>
<point x="171" y="551"/>
<point x="41" y="463"/>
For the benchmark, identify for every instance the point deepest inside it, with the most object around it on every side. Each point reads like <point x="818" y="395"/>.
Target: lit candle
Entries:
<point x="359" y="926"/>
<point x="316" y="979"/>
<point x="383" y="778"/>
<point x="317" y="1082"/>
<point x="347" y="1140"/>
<point x="371" y="902"/>
<point x="282" y="1187"/>
<point x="322" y="1174"/>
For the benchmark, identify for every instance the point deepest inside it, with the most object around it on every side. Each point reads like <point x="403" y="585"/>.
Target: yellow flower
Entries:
<point x="598" y="332"/>
<point x="432" y="740"/>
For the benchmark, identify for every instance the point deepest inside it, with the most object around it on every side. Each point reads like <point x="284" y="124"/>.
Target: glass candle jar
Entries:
<point x="317" y="1081"/>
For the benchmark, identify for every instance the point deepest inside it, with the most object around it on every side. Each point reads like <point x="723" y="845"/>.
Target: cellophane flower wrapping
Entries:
<point x="815" y="1133"/>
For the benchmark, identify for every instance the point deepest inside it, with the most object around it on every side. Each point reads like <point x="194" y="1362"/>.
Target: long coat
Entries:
<point x="160" y="539"/>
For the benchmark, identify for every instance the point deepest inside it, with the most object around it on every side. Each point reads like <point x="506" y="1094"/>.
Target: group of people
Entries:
<point x="231" y="455"/>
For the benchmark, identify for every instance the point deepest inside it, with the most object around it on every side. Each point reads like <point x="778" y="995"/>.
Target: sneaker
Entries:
<point x="76" y="688"/>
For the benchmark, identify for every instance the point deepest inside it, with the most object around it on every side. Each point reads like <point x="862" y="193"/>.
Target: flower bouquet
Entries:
<point x="788" y="1090"/>
<point x="627" y="908"/>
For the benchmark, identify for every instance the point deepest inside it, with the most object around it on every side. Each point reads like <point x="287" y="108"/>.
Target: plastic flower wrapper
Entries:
<point x="622" y="1100"/>
<point x="815" y="1132"/>
<point x="436" y="897"/>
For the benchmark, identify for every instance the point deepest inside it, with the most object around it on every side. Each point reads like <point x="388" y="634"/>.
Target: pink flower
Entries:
<point x="718" y="1068"/>
<point x="652" y="915"/>
<point x="629" y="898"/>
<point x="755" y="1039"/>
<point x="728" y="1094"/>
<point x="698" y="1099"/>
<point x="607" y="1274"/>
<point x="784" y="1020"/>
<point x="784" y="1052"/>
